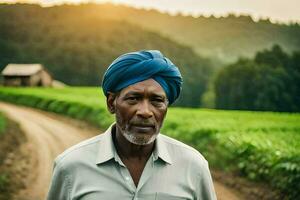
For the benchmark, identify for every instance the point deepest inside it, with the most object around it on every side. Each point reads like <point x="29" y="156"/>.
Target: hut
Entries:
<point x="26" y="75"/>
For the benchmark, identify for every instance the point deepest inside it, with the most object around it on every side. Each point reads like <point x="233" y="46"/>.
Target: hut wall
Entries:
<point x="17" y="81"/>
<point x="46" y="79"/>
<point x="25" y="81"/>
<point x="35" y="80"/>
<point x="12" y="81"/>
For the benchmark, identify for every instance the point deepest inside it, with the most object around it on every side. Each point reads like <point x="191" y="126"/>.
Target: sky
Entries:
<point x="277" y="10"/>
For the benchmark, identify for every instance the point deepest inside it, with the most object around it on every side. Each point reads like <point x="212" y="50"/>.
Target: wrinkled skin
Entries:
<point x="140" y="110"/>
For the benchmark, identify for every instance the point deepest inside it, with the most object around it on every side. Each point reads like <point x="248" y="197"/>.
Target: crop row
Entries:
<point x="262" y="146"/>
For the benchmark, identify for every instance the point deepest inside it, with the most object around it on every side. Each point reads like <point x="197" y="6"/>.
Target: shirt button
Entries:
<point x="127" y="178"/>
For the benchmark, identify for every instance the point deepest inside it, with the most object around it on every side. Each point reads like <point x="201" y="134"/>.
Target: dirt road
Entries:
<point x="50" y="134"/>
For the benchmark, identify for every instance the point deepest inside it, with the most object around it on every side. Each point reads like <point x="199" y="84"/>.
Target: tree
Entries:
<point x="271" y="81"/>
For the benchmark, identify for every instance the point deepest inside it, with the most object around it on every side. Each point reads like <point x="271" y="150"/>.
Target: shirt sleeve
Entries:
<point x="206" y="189"/>
<point x="60" y="184"/>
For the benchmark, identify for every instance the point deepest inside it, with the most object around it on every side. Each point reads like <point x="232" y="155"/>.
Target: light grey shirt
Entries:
<point x="92" y="170"/>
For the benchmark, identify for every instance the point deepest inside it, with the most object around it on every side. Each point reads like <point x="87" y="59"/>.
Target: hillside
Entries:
<point x="224" y="38"/>
<point x="77" y="48"/>
<point x="77" y="42"/>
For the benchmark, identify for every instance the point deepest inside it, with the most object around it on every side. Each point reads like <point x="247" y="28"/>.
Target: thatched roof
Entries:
<point x="21" y="69"/>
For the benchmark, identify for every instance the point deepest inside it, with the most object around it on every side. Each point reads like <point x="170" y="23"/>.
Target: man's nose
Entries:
<point x="144" y="110"/>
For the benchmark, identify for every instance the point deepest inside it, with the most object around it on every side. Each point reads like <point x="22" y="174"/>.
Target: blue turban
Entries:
<point x="138" y="66"/>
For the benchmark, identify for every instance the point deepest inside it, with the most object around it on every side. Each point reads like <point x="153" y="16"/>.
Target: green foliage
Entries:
<point x="269" y="82"/>
<point x="3" y="182"/>
<point x="3" y="177"/>
<point x="224" y="38"/>
<point x="77" y="43"/>
<point x="262" y="146"/>
<point x="2" y="124"/>
<point x="77" y="46"/>
<point x="85" y="104"/>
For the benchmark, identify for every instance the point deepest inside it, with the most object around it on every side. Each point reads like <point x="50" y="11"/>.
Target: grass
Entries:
<point x="2" y="124"/>
<point x="3" y="177"/>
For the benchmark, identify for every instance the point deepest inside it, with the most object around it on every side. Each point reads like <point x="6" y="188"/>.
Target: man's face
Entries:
<point x="140" y="110"/>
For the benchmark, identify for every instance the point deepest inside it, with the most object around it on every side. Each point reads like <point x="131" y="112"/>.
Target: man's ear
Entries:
<point x="110" y="102"/>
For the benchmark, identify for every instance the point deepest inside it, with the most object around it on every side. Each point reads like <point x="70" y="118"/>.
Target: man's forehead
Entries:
<point x="149" y="86"/>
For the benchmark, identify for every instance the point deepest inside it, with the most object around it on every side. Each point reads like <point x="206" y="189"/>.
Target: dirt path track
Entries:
<point x="50" y="134"/>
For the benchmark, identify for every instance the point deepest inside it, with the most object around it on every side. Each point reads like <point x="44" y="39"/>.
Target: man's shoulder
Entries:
<point x="180" y="150"/>
<point x="79" y="152"/>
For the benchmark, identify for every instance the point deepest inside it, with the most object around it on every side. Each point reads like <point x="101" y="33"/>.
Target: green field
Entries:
<point x="262" y="146"/>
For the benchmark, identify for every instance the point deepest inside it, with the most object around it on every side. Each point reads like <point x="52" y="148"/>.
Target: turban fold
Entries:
<point x="138" y="66"/>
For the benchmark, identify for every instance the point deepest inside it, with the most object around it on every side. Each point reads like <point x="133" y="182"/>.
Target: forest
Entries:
<point x="223" y="38"/>
<point x="77" y="50"/>
<point x="270" y="81"/>
<point x="76" y="43"/>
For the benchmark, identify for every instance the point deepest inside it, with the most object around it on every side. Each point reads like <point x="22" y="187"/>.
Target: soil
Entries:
<point x="247" y="189"/>
<point x="49" y="134"/>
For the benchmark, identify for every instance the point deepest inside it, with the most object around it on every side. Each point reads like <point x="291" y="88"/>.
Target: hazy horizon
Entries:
<point x="275" y="10"/>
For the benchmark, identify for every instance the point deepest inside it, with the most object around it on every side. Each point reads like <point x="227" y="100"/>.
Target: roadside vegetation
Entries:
<point x="3" y="178"/>
<point x="12" y="171"/>
<point x="261" y="146"/>
<point x="2" y="124"/>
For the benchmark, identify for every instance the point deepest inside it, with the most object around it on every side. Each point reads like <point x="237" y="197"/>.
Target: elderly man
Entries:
<point x="132" y="160"/>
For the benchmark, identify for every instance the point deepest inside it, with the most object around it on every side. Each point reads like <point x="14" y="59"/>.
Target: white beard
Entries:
<point x="139" y="139"/>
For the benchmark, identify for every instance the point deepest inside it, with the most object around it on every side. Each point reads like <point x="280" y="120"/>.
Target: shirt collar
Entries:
<point x="161" y="151"/>
<point x="107" y="151"/>
<point x="106" y="148"/>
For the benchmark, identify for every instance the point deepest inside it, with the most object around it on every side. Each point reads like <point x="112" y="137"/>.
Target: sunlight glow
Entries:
<point x="276" y="10"/>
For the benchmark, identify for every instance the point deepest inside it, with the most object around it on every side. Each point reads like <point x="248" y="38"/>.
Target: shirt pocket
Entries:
<point x="165" y="196"/>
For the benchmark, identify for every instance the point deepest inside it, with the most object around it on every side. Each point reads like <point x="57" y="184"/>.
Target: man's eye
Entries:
<point x="132" y="98"/>
<point x="158" y="102"/>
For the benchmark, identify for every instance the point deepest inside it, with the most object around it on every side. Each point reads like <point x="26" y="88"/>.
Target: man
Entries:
<point x="131" y="160"/>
